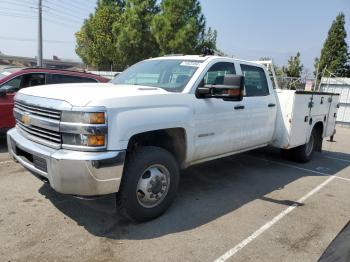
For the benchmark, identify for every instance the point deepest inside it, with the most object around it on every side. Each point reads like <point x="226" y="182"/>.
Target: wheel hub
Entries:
<point x="153" y="186"/>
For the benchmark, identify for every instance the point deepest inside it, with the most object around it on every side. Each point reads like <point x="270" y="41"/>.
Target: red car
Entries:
<point x="13" y="79"/>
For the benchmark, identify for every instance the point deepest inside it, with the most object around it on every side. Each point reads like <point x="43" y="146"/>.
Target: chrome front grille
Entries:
<point x="38" y="123"/>
<point x="39" y="111"/>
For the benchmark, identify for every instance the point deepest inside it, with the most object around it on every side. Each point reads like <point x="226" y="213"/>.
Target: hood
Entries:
<point x="82" y="94"/>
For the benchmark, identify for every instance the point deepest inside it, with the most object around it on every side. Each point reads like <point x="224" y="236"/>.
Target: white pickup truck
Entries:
<point x="133" y="135"/>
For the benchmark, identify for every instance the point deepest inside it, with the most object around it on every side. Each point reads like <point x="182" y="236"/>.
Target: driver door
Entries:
<point x="6" y="103"/>
<point x="218" y="128"/>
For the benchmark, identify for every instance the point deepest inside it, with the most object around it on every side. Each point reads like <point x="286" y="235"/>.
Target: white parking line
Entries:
<point x="343" y="178"/>
<point x="292" y="166"/>
<point x="269" y="224"/>
<point x="301" y="168"/>
<point x="340" y="159"/>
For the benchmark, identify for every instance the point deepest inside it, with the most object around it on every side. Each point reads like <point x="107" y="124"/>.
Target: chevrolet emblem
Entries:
<point x="26" y="119"/>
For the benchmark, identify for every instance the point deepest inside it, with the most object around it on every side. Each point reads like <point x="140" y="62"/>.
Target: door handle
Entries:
<point x="271" y="105"/>
<point x="239" y="107"/>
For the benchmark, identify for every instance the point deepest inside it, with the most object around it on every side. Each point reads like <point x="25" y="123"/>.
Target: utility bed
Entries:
<point x="298" y="110"/>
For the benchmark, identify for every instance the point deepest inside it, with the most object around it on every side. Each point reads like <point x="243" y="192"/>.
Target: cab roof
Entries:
<point x="202" y="58"/>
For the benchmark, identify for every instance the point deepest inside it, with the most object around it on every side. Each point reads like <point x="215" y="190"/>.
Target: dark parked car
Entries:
<point x="13" y="79"/>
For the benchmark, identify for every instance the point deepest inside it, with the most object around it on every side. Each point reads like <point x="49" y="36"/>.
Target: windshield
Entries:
<point x="8" y="71"/>
<point x="171" y="75"/>
<point x="3" y="74"/>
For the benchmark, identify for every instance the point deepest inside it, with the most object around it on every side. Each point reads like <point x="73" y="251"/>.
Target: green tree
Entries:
<point x="179" y="27"/>
<point x="95" y="40"/>
<point x="134" y="41"/>
<point x="294" y="67"/>
<point x="120" y="33"/>
<point x="334" y="54"/>
<point x="209" y="40"/>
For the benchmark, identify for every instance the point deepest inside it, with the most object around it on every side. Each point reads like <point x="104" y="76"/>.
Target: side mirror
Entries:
<point x="231" y="89"/>
<point x="7" y="89"/>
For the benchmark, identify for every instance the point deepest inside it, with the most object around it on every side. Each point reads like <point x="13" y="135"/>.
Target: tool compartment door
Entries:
<point x="332" y="115"/>
<point x="299" y="123"/>
<point x="320" y="104"/>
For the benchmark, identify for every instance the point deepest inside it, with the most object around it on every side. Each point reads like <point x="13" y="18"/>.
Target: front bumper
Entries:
<point x="69" y="172"/>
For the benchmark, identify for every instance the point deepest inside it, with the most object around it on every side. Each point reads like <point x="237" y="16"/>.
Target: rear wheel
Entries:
<point x="149" y="184"/>
<point x="304" y="153"/>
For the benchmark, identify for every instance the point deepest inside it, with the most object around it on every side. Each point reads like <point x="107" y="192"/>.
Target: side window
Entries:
<point x="63" y="79"/>
<point x="35" y="79"/>
<point x="215" y="75"/>
<point x="14" y="83"/>
<point x="255" y="81"/>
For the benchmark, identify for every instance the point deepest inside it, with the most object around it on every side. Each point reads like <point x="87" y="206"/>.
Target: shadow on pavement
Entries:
<point x="338" y="250"/>
<point x="206" y="192"/>
<point x="3" y="144"/>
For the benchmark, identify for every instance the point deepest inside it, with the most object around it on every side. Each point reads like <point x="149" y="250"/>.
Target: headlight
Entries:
<point x="84" y="130"/>
<point x="84" y="117"/>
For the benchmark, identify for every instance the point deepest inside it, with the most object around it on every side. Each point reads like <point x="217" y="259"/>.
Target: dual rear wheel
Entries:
<point x="305" y="152"/>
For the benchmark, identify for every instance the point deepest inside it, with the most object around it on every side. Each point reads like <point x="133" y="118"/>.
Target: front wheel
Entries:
<point x="149" y="184"/>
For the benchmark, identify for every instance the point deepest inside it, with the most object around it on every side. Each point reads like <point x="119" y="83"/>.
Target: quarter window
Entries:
<point x="255" y="81"/>
<point x="62" y="79"/>
<point x="216" y="74"/>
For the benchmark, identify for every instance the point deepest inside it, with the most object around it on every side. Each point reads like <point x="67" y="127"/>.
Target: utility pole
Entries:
<point x="40" y="34"/>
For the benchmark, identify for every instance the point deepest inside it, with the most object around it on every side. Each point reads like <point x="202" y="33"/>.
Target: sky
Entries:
<point x="248" y="29"/>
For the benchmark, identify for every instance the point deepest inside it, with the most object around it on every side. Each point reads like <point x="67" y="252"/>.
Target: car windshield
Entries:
<point x="4" y="73"/>
<point x="169" y="74"/>
<point x="7" y="71"/>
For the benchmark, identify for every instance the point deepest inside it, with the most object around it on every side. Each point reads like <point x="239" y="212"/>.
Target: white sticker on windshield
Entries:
<point x="191" y="63"/>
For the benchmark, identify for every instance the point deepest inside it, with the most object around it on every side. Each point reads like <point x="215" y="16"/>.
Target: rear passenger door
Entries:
<point x="259" y="106"/>
<point x="67" y="79"/>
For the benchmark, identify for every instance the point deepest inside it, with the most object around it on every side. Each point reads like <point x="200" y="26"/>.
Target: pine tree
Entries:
<point x="179" y="27"/>
<point x="134" y="40"/>
<point x="122" y="32"/>
<point x="334" y="54"/>
<point x="294" y="67"/>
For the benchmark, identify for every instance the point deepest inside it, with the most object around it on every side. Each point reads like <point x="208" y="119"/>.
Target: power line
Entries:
<point x="50" y="20"/>
<point x="34" y="40"/>
<point x="68" y="19"/>
<point x="29" y="4"/>
<point x="21" y="15"/>
<point x="70" y="13"/>
<point x="63" y="24"/>
<point x="69" y="7"/>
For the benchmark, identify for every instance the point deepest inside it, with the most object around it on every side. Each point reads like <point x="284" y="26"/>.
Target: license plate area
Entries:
<point x="38" y="162"/>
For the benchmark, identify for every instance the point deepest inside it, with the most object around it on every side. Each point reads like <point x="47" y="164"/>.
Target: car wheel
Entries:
<point x="149" y="184"/>
<point x="304" y="153"/>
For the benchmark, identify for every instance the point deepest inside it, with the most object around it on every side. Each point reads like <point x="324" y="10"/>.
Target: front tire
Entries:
<point x="149" y="184"/>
